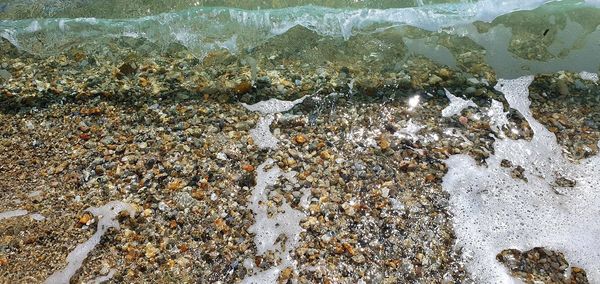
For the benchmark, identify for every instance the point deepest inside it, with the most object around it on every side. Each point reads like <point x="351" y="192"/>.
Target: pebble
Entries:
<point x="470" y="90"/>
<point x="563" y="89"/>
<point x="434" y="79"/>
<point x="85" y="219"/>
<point x="5" y="75"/>
<point x="300" y="139"/>
<point x="380" y="199"/>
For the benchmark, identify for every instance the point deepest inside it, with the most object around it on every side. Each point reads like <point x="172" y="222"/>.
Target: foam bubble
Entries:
<point x="103" y="278"/>
<point x="589" y="76"/>
<point x="12" y="214"/>
<point x="106" y="219"/>
<point x="37" y="217"/>
<point x="261" y="133"/>
<point x="272" y="106"/>
<point x="498" y="119"/>
<point x="268" y="229"/>
<point x="493" y="211"/>
<point x="457" y="105"/>
<point x="409" y="131"/>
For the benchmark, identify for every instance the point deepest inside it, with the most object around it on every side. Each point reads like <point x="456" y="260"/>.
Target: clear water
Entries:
<point x="519" y="37"/>
<point x="272" y="57"/>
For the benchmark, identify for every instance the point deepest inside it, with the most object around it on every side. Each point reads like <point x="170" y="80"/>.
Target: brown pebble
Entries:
<point x="430" y="178"/>
<point x="285" y="275"/>
<point x="144" y="82"/>
<point x="183" y="248"/>
<point x="176" y="184"/>
<point x="221" y="225"/>
<point x="300" y="139"/>
<point x="85" y="218"/>
<point x="348" y="248"/>
<point x="384" y="144"/>
<point x="90" y="111"/>
<point x="243" y="88"/>
<point x="248" y="168"/>
<point x="325" y="155"/>
<point x="463" y="120"/>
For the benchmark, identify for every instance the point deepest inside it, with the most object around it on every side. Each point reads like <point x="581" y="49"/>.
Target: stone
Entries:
<point x="5" y="75"/>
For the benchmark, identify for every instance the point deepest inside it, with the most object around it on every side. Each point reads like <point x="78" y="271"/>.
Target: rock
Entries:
<point x="300" y="139"/>
<point x="359" y="258"/>
<point x="470" y="90"/>
<point x="243" y="88"/>
<point x="445" y="73"/>
<point x="325" y="155"/>
<point x="127" y="68"/>
<point x="247" y="180"/>
<point x="563" y="89"/>
<point x="285" y="275"/>
<point x="290" y="162"/>
<point x="5" y="75"/>
<point x="384" y="143"/>
<point x="565" y="182"/>
<point x="151" y="251"/>
<point x="263" y="82"/>
<point x="176" y="185"/>
<point x="434" y="79"/>
<point x="184" y="199"/>
<point x="85" y="219"/>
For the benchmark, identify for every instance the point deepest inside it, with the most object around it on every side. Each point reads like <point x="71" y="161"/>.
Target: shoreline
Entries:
<point x="169" y="136"/>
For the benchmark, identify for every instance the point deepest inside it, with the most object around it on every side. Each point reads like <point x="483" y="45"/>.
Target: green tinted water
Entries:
<point x="16" y="9"/>
<point x="514" y="37"/>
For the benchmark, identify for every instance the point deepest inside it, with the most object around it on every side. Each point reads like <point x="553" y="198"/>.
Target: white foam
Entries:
<point x="61" y="25"/>
<point x="261" y="133"/>
<point x="35" y="193"/>
<point x="498" y="119"/>
<point x="33" y="27"/>
<point x="363" y="137"/>
<point x="589" y="76"/>
<point x="103" y="278"/>
<point x="488" y="10"/>
<point x="409" y="131"/>
<point x="106" y="219"/>
<point x="457" y="105"/>
<point x="37" y="217"/>
<point x="272" y="106"/>
<point x="268" y="229"/>
<point x="413" y="102"/>
<point x="268" y="276"/>
<point x="493" y="211"/>
<point x="305" y="199"/>
<point x="12" y="214"/>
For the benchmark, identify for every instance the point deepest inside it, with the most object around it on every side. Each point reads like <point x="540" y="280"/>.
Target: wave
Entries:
<point x="205" y="29"/>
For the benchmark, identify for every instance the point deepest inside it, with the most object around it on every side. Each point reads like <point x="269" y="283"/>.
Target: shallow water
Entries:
<point x="516" y="38"/>
<point x="337" y="141"/>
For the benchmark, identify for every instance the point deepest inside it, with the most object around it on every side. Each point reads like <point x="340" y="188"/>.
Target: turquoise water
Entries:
<point x="518" y="36"/>
<point x="137" y="8"/>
